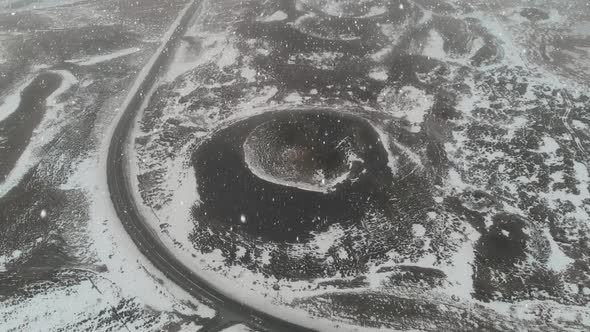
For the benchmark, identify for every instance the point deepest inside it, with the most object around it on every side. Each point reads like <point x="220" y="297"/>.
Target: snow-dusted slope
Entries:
<point x="489" y="220"/>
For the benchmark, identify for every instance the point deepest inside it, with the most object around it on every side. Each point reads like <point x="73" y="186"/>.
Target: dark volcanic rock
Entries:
<point x="534" y="14"/>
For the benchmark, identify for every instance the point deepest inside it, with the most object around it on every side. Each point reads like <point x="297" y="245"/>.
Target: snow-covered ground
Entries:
<point x="66" y="261"/>
<point x="482" y="109"/>
<point x="469" y="88"/>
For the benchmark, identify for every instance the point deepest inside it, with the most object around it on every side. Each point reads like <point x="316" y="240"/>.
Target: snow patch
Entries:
<point x="434" y="47"/>
<point x="249" y="74"/>
<point x="408" y="103"/>
<point x="294" y="97"/>
<point x="549" y="146"/>
<point x="558" y="261"/>
<point x="10" y="102"/>
<point x="89" y="61"/>
<point x="238" y="328"/>
<point x="279" y="15"/>
<point x="379" y="74"/>
<point x="418" y="230"/>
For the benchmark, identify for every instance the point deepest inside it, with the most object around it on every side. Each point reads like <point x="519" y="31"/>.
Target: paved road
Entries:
<point x="229" y="311"/>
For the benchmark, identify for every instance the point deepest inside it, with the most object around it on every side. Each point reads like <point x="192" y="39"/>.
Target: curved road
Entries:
<point x="229" y="311"/>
